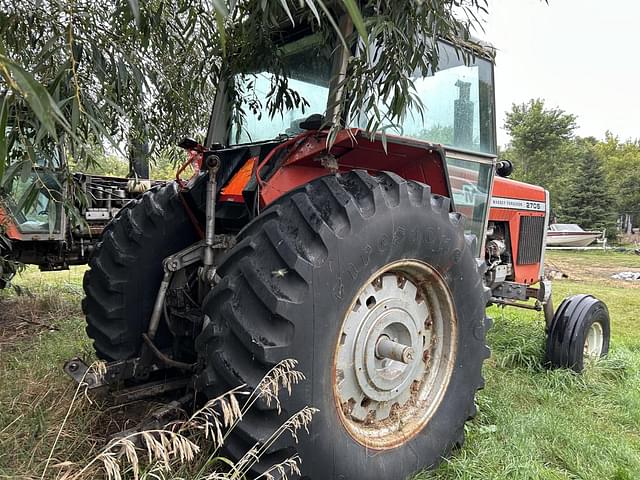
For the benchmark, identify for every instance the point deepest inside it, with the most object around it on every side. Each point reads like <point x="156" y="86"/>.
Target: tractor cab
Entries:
<point x="457" y="121"/>
<point x="32" y="198"/>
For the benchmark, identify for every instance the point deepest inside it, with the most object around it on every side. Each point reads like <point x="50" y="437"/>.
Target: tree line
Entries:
<point x="594" y="183"/>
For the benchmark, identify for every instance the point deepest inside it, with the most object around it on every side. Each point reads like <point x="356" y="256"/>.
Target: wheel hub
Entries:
<point x="393" y="359"/>
<point x="594" y="341"/>
<point x="392" y="350"/>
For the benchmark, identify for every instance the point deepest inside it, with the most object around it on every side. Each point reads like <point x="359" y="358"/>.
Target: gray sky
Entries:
<point x="580" y="55"/>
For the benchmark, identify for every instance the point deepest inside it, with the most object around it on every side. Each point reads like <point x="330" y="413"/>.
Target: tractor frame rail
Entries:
<point x="118" y="374"/>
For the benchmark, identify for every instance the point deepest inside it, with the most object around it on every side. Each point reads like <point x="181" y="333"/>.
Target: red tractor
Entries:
<point x="36" y="229"/>
<point x="371" y="263"/>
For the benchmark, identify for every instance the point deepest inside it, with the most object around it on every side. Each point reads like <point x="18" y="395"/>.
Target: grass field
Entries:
<point x="532" y="423"/>
<point x="539" y="424"/>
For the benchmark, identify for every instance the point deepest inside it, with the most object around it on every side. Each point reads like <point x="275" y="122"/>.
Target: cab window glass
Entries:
<point x="470" y="184"/>
<point x="35" y="202"/>
<point x="457" y="103"/>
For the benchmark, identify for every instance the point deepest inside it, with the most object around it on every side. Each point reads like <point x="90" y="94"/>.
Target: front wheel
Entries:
<point x="579" y="333"/>
<point x="370" y="283"/>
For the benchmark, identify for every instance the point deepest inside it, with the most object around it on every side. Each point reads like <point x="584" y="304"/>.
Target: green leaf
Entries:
<point x="10" y="173"/>
<point x="383" y="140"/>
<point x="333" y="23"/>
<point x="285" y="7"/>
<point x="220" y="7"/>
<point x="26" y="166"/>
<point x="356" y="17"/>
<point x="135" y="10"/>
<point x="38" y="98"/>
<point x="4" y="114"/>
<point x="28" y="197"/>
<point x="314" y="10"/>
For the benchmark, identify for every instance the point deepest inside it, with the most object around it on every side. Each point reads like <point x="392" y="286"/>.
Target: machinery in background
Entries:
<point x="38" y="230"/>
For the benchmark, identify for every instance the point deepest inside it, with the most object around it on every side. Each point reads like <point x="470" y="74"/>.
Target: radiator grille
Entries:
<point x="530" y="243"/>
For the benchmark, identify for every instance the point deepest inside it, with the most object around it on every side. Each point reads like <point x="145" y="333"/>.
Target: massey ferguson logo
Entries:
<point x="517" y="204"/>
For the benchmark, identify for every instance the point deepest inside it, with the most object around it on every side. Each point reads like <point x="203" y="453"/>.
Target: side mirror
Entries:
<point x="190" y="144"/>
<point x="504" y="168"/>
<point x="312" y="122"/>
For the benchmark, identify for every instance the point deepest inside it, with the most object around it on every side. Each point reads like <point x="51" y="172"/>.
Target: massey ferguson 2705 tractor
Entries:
<point x="371" y="263"/>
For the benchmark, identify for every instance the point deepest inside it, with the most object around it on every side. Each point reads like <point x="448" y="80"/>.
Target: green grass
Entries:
<point x="39" y="330"/>
<point x="590" y="258"/>
<point x="532" y="423"/>
<point x="535" y="423"/>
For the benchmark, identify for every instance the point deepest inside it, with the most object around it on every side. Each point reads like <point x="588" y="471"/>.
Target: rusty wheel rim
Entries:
<point x="394" y="355"/>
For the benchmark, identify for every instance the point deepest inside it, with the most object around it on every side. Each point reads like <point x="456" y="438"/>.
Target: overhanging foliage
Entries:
<point x="83" y="72"/>
<point x="78" y="75"/>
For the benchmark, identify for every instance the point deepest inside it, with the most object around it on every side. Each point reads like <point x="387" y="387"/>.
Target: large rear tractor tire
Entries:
<point x="126" y="269"/>
<point x="370" y="283"/>
<point x="579" y="332"/>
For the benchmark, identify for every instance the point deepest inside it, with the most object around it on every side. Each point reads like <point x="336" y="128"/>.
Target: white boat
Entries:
<point x="571" y="235"/>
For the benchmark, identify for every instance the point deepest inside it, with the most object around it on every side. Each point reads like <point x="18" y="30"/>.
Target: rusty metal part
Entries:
<point x="189" y="256"/>
<point x="115" y="372"/>
<point x="395" y="354"/>
<point x="511" y="290"/>
<point x="160" y="418"/>
<point x="516" y="294"/>
<point x="184" y="258"/>
<point x="95" y="230"/>
<point x="149" y="389"/>
<point x="118" y="372"/>
<point x="387" y="348"/>
<point x="546" y="298"/>
<point x="509" y="303"/>
<point x="154" y="322"/>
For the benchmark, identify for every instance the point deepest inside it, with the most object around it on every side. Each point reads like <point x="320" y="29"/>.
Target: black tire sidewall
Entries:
<point x="399" y="234"/>
<point x="569" y="327"/>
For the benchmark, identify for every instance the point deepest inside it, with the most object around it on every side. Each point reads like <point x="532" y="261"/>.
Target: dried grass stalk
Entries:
<point x="99" y="368"/>
<point x="283" y="375"/>
<point x="166" y="451"/>
<point x="163" y="449"/>
<point x="217" y="416"/>
<point x="298" y="421"/>
<point x="282" y="470"/>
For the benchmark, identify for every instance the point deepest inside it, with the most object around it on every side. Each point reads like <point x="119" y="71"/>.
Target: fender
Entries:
<point x="305" y="158"/>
